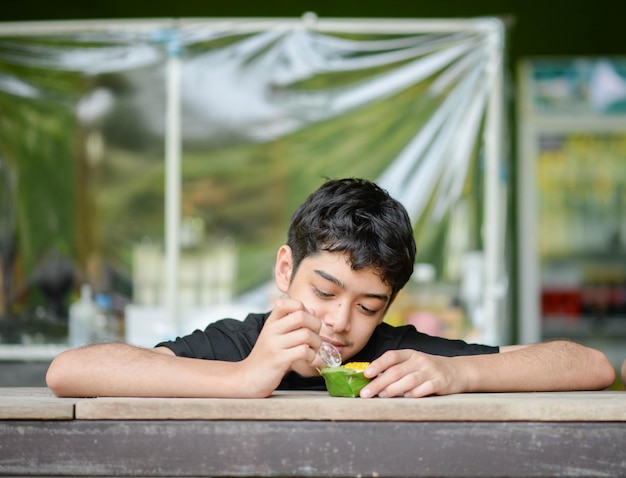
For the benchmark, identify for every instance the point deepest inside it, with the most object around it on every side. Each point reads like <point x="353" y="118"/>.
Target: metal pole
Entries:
<point x="492" y="227"/>
<point x="172" y="182"/>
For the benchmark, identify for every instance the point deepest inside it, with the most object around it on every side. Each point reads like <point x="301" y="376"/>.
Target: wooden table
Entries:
<point x="312" y="434"/>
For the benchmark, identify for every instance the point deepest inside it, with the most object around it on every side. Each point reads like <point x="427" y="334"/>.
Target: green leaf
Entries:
<point x="343" y="382"/>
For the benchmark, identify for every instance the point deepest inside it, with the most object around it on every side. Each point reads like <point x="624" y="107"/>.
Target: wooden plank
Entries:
<point x="285" y="448"/>
<point x="26" y="392"/>
<point x="34" y="403"/>
<point x="561" y="406"/>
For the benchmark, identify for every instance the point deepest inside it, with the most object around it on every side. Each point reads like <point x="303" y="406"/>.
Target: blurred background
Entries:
<point x="270" y="109"/>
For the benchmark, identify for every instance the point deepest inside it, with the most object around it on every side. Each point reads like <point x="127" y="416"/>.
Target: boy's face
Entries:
<point x="349" y="303"/>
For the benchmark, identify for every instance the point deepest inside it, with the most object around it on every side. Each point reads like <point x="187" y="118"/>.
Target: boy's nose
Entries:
<point x="338" y="319"/>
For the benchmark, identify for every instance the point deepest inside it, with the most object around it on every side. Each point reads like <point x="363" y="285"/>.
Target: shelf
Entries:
<point x="23" y="353"/>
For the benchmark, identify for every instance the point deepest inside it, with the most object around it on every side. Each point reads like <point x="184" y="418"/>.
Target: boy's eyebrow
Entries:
<point x="334" y="280"/>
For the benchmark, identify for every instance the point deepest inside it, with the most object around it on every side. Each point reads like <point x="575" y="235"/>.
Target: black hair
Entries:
<point x="358" y="218"/>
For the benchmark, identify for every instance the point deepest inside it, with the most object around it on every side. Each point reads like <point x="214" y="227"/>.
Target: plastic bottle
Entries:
<point x="82" y="316"/>
<point x="105" y="326"/>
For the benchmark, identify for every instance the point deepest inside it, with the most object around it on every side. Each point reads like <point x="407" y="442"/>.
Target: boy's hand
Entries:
<point x="289" y="335"/>
<point x="410" y="373"/>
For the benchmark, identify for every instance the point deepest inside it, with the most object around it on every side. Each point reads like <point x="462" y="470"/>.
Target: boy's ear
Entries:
<point x="283" y="268"/>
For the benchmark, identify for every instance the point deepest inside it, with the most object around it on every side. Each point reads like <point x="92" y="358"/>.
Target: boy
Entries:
<point x="350" y="250"/>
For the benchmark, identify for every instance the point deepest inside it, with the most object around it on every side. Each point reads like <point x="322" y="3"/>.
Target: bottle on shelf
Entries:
<point x="107" y="323"/>
<point x="82" y="318"/>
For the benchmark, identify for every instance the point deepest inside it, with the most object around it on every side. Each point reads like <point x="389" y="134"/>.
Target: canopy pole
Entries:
<point x="172" y="182"/>
<point x="492" y="205"/>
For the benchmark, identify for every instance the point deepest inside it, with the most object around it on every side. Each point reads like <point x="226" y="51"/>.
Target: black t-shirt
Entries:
<point x="232" y="340"/>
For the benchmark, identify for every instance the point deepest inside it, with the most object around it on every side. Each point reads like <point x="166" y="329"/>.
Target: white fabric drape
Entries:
<point x="255" y="82"/>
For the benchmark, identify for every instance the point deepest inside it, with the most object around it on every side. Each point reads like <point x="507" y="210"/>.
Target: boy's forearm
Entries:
<point x="549" y="366"/>
<point x="125" y="370"/>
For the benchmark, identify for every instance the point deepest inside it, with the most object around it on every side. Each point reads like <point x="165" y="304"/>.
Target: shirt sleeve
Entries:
<point x="386" y="338"/>
<point x="230" y="340"/>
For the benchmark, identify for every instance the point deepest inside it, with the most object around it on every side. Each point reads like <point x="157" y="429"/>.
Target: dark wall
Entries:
<point x="549" y="27"/>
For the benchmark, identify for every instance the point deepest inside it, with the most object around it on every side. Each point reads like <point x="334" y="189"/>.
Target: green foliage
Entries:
<point x="34" y="140"/>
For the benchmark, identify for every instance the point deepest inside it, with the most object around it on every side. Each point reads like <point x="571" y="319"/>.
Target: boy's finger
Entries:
<point x="382" y="363"/>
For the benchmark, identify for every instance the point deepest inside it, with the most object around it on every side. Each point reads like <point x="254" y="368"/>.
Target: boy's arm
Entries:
<point x="549" y="366"/>
<point x="119" y="369"/>
<point x="558" y="365"/>
<point x="289" y="335"/>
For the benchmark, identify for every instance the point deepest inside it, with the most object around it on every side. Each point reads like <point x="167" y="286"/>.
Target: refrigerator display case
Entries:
<point x="572" y="202"/>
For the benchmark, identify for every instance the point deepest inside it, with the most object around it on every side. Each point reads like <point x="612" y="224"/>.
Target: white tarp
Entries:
<point x="434" y="84"/>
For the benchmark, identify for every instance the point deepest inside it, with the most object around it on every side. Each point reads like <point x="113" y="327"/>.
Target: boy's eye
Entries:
<point x="368" y="311"/>
<point x="327" y="295"/>
<point x="322" y="294"/>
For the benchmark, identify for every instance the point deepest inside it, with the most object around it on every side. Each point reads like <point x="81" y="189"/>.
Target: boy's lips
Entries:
<point x="338" y="345"/>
